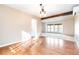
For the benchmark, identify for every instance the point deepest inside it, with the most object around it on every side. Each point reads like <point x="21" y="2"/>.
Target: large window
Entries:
<point x="57" y="28"/>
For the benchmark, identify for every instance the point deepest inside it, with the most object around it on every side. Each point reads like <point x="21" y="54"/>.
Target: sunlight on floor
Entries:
<point x="12" y="50"/>
<point x="54" y="42"/>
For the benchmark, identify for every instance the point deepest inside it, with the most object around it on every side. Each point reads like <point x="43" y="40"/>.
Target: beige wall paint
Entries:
<point x="38" y="26"/>
<point x="12" y="23"/>
<point x="68" y="25"/>
<point x="43" y="27"/>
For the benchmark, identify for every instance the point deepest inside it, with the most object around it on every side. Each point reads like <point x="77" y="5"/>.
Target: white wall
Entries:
<point x="12" y="23"/>
<point x="36" y="26"/>
<point x="43" y="27"/>
<point x="77" y="29"/>
<point x="68" y="25"/>
<point x="76" y="17"/>
<point x="39" y="26"/>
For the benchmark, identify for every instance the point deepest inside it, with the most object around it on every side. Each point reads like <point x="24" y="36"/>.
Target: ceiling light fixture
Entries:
<point x="42" y="11"/>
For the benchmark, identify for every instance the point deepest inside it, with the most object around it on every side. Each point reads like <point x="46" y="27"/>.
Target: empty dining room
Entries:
<point x="39" y="29"/>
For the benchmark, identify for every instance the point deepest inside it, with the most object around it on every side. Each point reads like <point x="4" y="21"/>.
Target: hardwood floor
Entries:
<point x="41" y="46"/>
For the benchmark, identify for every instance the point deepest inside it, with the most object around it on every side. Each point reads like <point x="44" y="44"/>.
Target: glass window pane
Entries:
<point x="56" y="28"/>
<point x="48" y="26"/>
<point x="48" y="30"/>
<point x="52" y="28"/>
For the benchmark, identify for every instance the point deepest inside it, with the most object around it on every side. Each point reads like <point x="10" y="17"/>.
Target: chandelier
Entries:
<point x="42" y="11"/>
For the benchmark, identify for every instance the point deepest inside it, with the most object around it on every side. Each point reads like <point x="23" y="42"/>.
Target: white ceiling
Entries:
<point x="51" y="9"/>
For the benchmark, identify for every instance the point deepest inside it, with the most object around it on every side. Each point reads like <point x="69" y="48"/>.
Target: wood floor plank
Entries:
<point x="42" y="47"/>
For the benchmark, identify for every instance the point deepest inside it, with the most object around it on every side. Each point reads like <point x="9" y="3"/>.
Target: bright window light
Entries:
<point x="25" y="36"/>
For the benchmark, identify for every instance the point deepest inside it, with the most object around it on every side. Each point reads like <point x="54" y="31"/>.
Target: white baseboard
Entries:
<point x="77" y="43"/>
<point x="68" y="38"/>
<point x="9" y="44"/>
